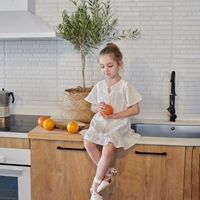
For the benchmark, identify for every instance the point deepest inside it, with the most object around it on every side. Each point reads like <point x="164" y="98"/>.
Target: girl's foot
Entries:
<point x="95" y="195"/>
<point x="108" y="180"/>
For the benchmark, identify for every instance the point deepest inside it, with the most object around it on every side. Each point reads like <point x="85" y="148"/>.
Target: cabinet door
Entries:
<point x="19" y="143"/>
<point x="196" y="174"/>
<point x="188" y="173"/>
<point x="61" y="174"/>
<point x="148" y="172"/>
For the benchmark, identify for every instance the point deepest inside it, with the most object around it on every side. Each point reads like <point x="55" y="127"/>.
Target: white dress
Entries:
<point x="117" y="131"/>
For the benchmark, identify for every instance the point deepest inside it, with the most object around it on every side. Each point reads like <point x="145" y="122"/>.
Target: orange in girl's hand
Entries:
<point x="108" y="110"/>
<point x="48" y="124"/>
<point x="72" y="127"/>
<point x="41" y="120"/>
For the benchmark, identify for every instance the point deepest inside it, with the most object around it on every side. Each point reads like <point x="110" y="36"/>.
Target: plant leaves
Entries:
<point x="90" y="25"/>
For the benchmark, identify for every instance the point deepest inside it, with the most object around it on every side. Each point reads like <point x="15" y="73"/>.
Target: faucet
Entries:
<point x="171" y="107"/>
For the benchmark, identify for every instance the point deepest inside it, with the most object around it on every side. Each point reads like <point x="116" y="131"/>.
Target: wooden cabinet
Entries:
<point x="148" y="172"/>
<point x="63" y="170"/>
<point x="192" y="174"/>
<point x="60" y="170"/>
<point x="196" y="174"/>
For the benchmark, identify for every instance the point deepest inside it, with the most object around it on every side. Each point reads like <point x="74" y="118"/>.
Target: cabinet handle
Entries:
<point x="74" y="149"/>
<point x="151" y="153"/>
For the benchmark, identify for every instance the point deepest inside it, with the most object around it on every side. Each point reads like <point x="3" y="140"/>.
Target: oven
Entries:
<point x="15" y="163"/>
<point x="15" y="183"/>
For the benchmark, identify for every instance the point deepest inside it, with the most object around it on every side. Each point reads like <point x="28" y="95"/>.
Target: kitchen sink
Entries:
<point x="167" y="130"/>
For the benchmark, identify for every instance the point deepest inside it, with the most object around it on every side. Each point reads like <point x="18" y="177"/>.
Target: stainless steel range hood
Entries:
<point x="18" y="23"/>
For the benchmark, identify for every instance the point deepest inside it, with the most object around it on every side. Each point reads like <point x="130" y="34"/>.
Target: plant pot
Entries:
<point x="74" y="106"/>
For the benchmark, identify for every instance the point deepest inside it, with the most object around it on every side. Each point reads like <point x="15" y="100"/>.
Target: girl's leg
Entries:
<point x="93" y="151"/>
<point x="104" y="163"/>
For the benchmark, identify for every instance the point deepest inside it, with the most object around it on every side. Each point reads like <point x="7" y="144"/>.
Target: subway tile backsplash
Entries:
<point x="38" y="72"/>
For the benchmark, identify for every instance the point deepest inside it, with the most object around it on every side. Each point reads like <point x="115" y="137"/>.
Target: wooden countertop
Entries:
<point x="55" y="134"/>
<point x="60" y="134"/>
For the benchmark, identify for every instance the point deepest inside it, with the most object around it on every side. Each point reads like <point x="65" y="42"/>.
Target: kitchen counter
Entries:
<point x="60" y="134"/>
<point x="55" y="134"/>
<point x="160" y="121"/>
<point x="170" y="141"/>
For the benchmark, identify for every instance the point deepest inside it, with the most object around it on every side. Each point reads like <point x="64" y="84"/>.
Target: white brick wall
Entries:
<point x="39" y="71"/>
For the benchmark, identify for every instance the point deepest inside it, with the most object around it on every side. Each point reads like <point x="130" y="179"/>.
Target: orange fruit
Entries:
<point x="108" y="110"/>
<point x="72" y="127"/>
<point x="41" y="120"/>
<point x="48" y="124"/>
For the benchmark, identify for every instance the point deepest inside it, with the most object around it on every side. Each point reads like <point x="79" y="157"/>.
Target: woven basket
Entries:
<point x="74" y="106"/>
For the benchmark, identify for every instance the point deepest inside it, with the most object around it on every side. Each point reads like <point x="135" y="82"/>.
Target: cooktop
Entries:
<point x="18" y="123"/>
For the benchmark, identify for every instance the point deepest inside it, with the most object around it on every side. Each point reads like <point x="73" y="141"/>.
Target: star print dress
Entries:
<point x="117" y="131"/>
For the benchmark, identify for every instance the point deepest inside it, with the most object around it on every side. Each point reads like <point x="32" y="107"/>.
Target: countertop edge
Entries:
<point x="73" y="138"/>
<point x="143" y="140"/>
<point x="169" y="141"/>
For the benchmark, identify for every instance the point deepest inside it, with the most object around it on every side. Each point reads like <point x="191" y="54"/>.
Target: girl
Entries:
<point x="110" y="131"/>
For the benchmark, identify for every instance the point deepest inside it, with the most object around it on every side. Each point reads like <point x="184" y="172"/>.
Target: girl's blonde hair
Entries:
<point x="112" y="50"/>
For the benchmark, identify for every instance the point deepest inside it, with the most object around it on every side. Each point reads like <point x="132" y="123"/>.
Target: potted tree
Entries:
<point x="91" y="24"/>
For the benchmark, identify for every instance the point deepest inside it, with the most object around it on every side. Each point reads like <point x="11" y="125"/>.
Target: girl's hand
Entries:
<point x="101" y="106"/>
<point x="98" y="107"/>
<point x="130" y="111"/>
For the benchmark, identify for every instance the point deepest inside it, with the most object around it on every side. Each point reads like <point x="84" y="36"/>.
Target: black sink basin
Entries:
<point x="167" y="130"/>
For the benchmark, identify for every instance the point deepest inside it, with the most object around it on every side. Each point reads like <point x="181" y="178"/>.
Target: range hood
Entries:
<point x="18" y="23"/>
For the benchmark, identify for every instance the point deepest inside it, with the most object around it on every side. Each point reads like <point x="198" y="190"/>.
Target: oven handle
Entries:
<point x="17" y="171"/>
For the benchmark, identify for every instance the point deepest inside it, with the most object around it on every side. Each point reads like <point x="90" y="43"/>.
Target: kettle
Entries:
<point x="5" y="98"/>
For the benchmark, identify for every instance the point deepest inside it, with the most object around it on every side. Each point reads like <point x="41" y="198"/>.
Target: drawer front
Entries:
<point x="20" y="143"/>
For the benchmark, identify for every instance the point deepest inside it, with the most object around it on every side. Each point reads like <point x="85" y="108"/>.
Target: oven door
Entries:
<point x="14" y="182"/>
